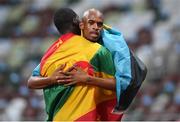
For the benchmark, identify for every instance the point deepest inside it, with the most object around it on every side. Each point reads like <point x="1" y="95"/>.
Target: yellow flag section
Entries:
<point x="78" y="102"/>
<point x="83" y="100"/>
<point x="71" y="51"/>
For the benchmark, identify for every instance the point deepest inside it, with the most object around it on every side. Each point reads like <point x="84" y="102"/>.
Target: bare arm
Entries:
<point x="101" y="82"/>
<point x="80" y="76"/>
<point x="70" y="78"/>
<point x="38" y="82"/>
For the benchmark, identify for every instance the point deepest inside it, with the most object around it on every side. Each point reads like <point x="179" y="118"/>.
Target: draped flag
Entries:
<point x="78" y="102"/>
<point x="130" y="71"/>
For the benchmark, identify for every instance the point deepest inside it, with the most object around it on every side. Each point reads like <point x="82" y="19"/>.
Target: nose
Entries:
<point x="95" y="26"/>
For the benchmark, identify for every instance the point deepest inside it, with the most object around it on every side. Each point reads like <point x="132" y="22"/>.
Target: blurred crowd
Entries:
<point x="150" y="27"/>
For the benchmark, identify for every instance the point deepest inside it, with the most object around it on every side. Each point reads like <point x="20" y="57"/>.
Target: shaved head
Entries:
<point x="92" y="24"/>
<point x="92" y="11"/>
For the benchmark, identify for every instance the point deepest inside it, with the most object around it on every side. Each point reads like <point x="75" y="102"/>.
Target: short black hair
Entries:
<point x="66" y="20"/>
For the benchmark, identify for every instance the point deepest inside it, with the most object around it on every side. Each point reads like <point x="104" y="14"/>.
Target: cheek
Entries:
<point x="87" y="30"/>
<point x="89" y="27"/>
<point x="86" y="33"/>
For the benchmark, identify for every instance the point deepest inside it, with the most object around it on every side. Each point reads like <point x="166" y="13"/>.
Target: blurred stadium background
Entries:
<point x="150" y="27"/>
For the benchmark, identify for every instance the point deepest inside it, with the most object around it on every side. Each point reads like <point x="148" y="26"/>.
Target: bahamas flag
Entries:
<point x="130" y="70"/>
<point x="79" y="102"/>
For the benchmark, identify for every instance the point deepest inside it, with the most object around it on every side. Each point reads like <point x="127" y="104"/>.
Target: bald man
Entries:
<point x="130" y="70"/>
<point x="92" y="24"/>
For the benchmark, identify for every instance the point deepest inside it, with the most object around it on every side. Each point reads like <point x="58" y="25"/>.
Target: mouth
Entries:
<point x="94" y="34"/>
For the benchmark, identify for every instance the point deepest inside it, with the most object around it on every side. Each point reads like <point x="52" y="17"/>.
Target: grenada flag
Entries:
<point x="79" y="102"/>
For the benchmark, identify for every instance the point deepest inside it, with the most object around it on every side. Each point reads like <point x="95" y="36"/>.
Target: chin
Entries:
<point x="94" y="40"/>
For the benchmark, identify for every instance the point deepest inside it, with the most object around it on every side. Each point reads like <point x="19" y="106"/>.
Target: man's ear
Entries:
<point x="81" y="25"/>
<point x="75" y="21"/>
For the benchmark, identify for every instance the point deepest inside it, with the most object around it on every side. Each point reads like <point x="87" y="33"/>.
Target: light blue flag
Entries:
<point x="114" y="41"/>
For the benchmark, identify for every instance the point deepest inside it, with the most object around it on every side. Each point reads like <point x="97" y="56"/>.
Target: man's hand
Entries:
<point x="71" y="76"/>
<point x="58" y="76"/>
<point x="76" y="75"/>
<point x="38" y="82"/>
